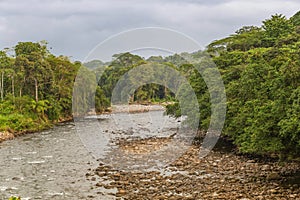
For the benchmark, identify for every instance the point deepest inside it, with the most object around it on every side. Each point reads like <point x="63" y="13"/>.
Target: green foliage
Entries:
<point x="260" y="69"/>
<point x="35" y="87"/>
<point x="296" y="19"/>
<point x="22" y="114"/>
<point x="262" y="86"/>
<point x="14" y="198"/>
<point x="94" y="64"/>
<point x="101" y="101"/>
<point x="290" y="126"/>
<point x="122" y="64"/>
<point x="276" y="27"/>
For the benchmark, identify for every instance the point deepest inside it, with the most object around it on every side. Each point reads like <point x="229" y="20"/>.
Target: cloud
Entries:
<point x="74" y="27"/>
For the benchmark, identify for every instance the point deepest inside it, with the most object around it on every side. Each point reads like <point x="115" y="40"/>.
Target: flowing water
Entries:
<point x="52" y="164"/>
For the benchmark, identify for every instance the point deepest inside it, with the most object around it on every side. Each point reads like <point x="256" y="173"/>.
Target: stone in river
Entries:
<point x="273" y="176"/>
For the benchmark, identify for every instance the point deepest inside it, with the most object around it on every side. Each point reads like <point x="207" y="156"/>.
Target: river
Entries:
<point x="52" y="164"/>
<point x="62" y="163"/>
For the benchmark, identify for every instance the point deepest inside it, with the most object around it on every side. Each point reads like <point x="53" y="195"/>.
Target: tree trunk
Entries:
<point x="2" y="85"/>
<point x="165" y="91"/>
<point x="36" y="90"/>
<point x="13" y="87"/>
<point x="1" y="88"/>
<point x="21" y="86"/>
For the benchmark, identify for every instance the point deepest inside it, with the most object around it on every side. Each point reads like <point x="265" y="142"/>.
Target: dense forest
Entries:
<point x="259" y="67"/>
<point x="36" y="87"/>
<point x="260" y="70"/>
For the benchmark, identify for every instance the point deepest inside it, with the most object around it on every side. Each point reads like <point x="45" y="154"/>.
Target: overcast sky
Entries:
<point x="74" y="27"/>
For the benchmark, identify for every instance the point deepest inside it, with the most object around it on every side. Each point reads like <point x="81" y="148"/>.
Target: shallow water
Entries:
<point x="53" y="164"/>
<point x="46" y="165"/>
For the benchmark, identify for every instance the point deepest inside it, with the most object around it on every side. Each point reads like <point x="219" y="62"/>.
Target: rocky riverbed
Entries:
<point x="223" y="174"/>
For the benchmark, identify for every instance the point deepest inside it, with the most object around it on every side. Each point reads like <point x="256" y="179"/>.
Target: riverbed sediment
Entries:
<point x="223" y="174"/>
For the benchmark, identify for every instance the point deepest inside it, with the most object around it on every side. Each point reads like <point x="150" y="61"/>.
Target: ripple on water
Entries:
<point x="16" y="158"/>
<point x="47" y="156"/>
<point x="3" y="188"/>
<point x="30" y="152"/>
<point x="53" y="194"/>
<point x="36" y="162"/>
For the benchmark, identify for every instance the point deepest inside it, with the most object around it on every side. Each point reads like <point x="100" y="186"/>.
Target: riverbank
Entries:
<point x="136" y="108"/>
<point x="221" y="175"/>
<point x="11" y="134"/>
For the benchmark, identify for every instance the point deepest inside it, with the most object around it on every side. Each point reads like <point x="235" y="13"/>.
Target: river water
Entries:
<point x="52" y="164"/>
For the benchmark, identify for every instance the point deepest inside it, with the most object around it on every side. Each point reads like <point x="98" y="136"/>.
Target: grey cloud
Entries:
<point x="74" y="27"/>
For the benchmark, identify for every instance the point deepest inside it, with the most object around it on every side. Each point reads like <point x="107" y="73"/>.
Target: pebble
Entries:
<point x="219" y="175"/>
<point x="273" y="176"/>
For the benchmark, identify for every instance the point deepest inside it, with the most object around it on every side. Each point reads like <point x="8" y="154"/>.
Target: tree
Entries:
<point x="31" y="58"/>
<point x="295" y="19"/>
<point x="5" y="67"/>
<point x="276" y="27"/>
